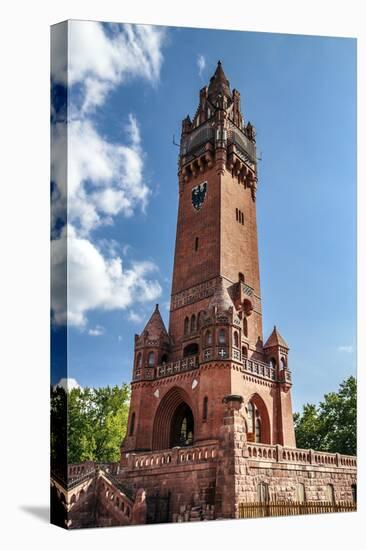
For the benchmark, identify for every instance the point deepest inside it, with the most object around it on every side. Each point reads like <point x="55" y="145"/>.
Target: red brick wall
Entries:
<point x="239" y="246"/>
<point x="191" y="267"/>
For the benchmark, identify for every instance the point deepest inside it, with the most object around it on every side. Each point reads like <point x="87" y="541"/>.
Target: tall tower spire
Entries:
<point x="214" y="345"/>
<point x="217" y="230"/>
<point x="219" y="85"/>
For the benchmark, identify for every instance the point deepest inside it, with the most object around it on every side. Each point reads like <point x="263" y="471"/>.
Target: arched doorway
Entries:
<point x="182" y="427"/>
<point x="174" y="421"/>
<point x="259" y="429"/>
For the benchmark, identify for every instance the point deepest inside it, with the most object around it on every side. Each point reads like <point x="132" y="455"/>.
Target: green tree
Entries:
<point x="307" y="428"/>
<point x="97" y="423"/>
<point x="332" y="425"/>
<point x="88" y="424"/>
<point x="58" y="430"/>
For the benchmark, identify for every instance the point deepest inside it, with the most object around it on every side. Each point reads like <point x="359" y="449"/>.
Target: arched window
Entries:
<point x="191" y="349"/>
<point x="250" y="417"/>
<point x="241" y="277"/>
<point x="182" y="426"/>
<point x="258" y="432"/>
<point x="236" y="339"/>
<point x="283" y="363"/>
<point x="139" y="360"/>
<point x="245" y="327"/>
<point x="208" y="338"/>
<point x="164" y="358"/>
<point x="222" y="336"/>
<point x="200" y="319"/>
<point x="272" y="362"/>
<point x="263" y="492"/>
<point x="329" y="493"/>
<point x="132" y="424"/>
<point x="244" y="351"/>
<point x="193" y="323"/>
<point x="300" y="492"/>
<point x="205" y="409"/>
<point x="151" y="359"/>
<point x="186" y="326"/>
<point x="258" y="421"/>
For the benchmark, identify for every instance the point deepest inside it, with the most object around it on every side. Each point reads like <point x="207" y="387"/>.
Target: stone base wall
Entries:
<point x="205" y="483"/>
<point x="188" y="487"/>
<point x="283" y="481"/>
<point x="210" y="481"/>
<point x="82" y="508"/>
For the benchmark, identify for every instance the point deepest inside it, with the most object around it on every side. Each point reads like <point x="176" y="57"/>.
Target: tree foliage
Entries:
<point x="332" y="425"/>
<point x="96" y="423"/>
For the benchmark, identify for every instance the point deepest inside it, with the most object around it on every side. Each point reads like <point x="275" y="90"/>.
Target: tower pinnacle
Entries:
<point x="219" y="84"/>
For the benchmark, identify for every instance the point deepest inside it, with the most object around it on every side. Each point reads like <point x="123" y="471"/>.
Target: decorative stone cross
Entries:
<point x="207" y="354"/>
<point x="222" y="353"/>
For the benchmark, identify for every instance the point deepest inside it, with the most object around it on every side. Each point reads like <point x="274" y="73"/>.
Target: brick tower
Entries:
<point x="214" y="346"/>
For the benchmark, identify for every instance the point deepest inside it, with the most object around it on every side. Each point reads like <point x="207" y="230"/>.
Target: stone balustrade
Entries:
<point x="259" y="369"/>
<point x="219" y="353"/>
<point x="78" y="470"/>
<point x="183" y="365"/>
<point x="259" y="451"/>
<point x="122" y="504"/>
<point x="174" y="457"/>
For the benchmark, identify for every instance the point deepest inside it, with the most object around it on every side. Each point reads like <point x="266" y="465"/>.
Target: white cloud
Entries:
<point x="67" y="383"/>
<point x="97" y="331"/>
<point x="104" y="179"/>
<point x="95" y="281"/>
<point x="201" y="64"/>
<point x="345" y="349"/>
<point x="100" y="60"/>
<point x="135" y="317"/>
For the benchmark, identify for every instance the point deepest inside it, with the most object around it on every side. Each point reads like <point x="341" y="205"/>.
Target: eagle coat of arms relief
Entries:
<point x="199" y="195"/>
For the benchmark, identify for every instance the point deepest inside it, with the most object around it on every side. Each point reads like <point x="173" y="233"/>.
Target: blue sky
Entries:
<point x="129" y="90"/>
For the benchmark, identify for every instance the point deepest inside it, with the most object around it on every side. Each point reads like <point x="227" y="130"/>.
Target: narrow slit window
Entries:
<point x="132" y="424"/>
<point x="196" y="244"/>
<point x="245" y="327"/>
<point x="205" y="409"/>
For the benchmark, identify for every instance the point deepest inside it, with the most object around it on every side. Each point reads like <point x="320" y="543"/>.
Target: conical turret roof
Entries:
<point x="221" y="298"/>
<point x="155" y="325"/>
<point x="219" y="84"/>
<point x="275" y="339"/>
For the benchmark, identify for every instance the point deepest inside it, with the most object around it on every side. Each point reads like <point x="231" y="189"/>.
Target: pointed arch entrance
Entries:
<point x="259" y="428"/>
<point x="174" y="421"/>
